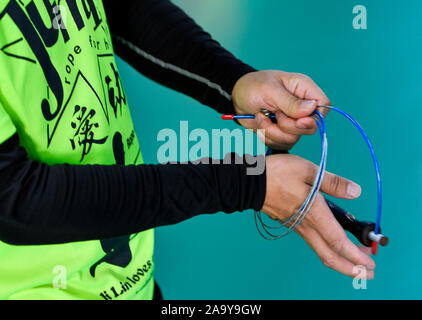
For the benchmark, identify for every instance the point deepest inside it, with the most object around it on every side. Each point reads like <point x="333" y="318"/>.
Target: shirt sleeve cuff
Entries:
<point x="232" y="75"/>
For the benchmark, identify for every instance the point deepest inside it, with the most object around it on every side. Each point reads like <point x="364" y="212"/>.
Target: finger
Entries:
<point x="338" y="187"/>
<point x="276" y="145"/>
<point x="303" y="87"/>
<point x="291" y="105"/>
<point x="324" y="111"/>
<point x="329" y="258"/>
<point x="289" y="125"/>
<point x="309" y="122"/>
<point x="280" y="98"/>
<point x="323" y="221"/>
<point x="333" y="184"/>
<point x="365" y="250"/>
<point x="273" y="131"/>
<point x="271" y="143"/>
<point x="306" y="122"/>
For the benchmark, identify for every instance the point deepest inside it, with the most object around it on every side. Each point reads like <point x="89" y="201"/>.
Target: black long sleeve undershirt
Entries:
<point x="42" y="204"/>
<point x="160" y="41"/>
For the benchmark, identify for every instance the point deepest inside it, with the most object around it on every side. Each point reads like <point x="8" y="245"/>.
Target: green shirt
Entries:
<point x="60" y="90"/>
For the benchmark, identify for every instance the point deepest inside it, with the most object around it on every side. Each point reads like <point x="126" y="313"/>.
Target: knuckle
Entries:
<point x="291" y="75"/>
<point x="315" y="216"/>
<point x="304" y="76"/>
<point x="301" y="229"/>
<point x="283" y="124"/>
<point x="320" y="198"/>
<point x="337" y="245"/>
<point x="335" y="183"/>
<point x="313" y="130"/>
<point x="309" y="169"/>
<point x="301" y="77"/>
<point x="263" y="124"/>
<point x="292" y="104"/>
<point x="291" y="139"/>
<point x="328" y="260"/>
<point x="300" y="198"/>
<point x="297" y="75"/>
<point x="291" y="107"/>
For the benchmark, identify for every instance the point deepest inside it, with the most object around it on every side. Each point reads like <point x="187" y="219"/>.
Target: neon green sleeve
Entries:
<point x="7" y="128"/>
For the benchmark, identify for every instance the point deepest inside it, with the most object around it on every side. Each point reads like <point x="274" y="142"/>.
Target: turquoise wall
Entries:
<point x="375" y="75"/>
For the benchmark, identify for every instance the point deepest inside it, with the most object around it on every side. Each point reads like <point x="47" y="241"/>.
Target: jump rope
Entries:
<point x="368" y="233"/>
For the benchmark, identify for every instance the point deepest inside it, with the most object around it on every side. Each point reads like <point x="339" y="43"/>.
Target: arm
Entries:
<point x="162" y="42"/>
<point x="159" y="40"/>
<point x="42" y="204"/>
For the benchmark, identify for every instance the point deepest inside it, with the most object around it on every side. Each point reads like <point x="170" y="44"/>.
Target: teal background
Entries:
<point x="373" y="74"/>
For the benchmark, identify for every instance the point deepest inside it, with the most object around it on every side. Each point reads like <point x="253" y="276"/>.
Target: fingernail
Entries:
<point x="300" y="125"/>
<point x="308" y="105"/>
<point x="371" y="266"/>
<point x="353" y="190"/>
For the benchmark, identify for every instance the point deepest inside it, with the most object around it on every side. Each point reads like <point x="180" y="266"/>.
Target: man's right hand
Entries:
<point x="293" y="97"/>
<point x="289" y="180"/>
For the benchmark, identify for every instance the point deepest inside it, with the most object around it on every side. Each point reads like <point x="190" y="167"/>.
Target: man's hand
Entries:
<point x="289" y="180"/>
<point x="292" y="96"/>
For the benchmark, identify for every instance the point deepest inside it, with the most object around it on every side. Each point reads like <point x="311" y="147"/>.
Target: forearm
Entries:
<point x="41" y="204"/>
<point x="163" y="43"/>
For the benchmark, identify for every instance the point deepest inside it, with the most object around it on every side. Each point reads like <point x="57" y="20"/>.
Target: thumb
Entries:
<point x="340" y="187"/>
<point x="295" y="107"/>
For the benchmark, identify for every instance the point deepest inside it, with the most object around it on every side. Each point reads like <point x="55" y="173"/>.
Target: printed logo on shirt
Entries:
<point x="72" y="101"/>
<point x="77" y="97"/>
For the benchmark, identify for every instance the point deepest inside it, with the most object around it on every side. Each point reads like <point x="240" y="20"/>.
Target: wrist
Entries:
<point x="246" y="186"/>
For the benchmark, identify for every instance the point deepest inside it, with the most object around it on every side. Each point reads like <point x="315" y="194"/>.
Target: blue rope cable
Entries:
<point x="374" y="159"/>
<point x="306" y="206"/>
<point x="319" y="119"/>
